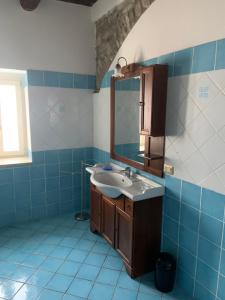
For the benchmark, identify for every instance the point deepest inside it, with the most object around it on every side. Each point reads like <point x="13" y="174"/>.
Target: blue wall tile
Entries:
<point x="66" y="80"/>
<point x="52" y="170"/>
<point x="52" y="184"/>
<point x="211" y="229"/>
<point x="191" y="194"/>
<point x="37" y="186"/>
<point x="65" y="155"/>
<point x="206" y="276"/>
<point x="51" y="156"/>
<point x="189" y="217"/>
<point x="187" y="261"/>
<point x="185" y="281"/>
<point x="21" y="174"/>
<point x="35" y="78"/>
<point x="169" y="246"/>
<point x="203" y="293"/>
<point x="183" y="62"/>
<point x="22" y="190"/>
<point x="92" y="82"/>
<point x="6" y="176"/>
<point x="173" y="187"/>
<point x="150" y="62"/>
<point x="170" y="228"/>
<point x="221" y="289"/>
<point x="168" y="59"/>
<point x="209" y="253"/>
<point x="171" y="208"/>
<point x="37" y="172"/>
<point x="213" y="204"/>
<point x="204" y="57"/>
<point x="220" y="55"/>
<point x="80" y="81"/>
<point x="188" y="239"/>
<point x="51" y="79"/>
<point x="222" y="264"/>
<point x="38" y="157"/>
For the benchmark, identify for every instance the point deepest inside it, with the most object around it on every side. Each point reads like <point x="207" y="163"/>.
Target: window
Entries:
<point x="13" y="116"/>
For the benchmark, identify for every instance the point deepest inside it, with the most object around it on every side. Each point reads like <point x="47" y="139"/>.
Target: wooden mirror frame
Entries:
<point x="153" y="163"/>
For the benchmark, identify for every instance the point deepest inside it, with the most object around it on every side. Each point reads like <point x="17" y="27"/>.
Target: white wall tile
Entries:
<point x="60" y="118"/>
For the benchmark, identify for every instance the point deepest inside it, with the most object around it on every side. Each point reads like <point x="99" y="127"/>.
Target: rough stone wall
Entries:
<point x="112" y="29"/>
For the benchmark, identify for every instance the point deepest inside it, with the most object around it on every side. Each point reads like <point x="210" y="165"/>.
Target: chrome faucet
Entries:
<point x="126" y="172"/>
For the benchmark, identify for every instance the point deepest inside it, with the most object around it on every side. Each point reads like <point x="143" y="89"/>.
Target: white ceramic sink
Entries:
<point x="110" y="183"/>
<point x="113" y="184"/>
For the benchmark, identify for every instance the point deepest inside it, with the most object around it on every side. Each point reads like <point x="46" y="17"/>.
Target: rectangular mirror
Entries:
<point x="128" y="142"/>
<point x="138" y="106"/>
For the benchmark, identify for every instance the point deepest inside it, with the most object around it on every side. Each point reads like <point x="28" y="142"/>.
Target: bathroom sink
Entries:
<point x="111" y="183"/>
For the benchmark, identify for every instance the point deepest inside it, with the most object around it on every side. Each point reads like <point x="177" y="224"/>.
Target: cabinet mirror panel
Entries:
<point x="128" y="142"/>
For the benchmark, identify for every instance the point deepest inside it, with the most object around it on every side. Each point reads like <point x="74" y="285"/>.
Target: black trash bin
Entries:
<point x="165" y="272"/>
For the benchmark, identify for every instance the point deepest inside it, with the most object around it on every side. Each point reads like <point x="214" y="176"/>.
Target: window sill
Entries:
<point x="15" y="161"/>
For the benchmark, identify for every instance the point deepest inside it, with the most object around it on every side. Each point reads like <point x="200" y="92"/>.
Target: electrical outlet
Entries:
<point x="168" y="169"/>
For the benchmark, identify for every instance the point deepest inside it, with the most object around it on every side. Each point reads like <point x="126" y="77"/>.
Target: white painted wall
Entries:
<point x="171" y="25"/>
<point x="101" y="7"/>
<point x="57" y="36"/>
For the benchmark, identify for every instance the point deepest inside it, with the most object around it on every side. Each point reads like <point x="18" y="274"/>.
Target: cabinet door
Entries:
<point x="108" y="220"/>
<point x="96" y="197"/>
<point x="124" y="234"/>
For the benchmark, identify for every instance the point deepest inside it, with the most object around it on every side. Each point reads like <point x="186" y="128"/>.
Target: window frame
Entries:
<point x="16" y="79"/>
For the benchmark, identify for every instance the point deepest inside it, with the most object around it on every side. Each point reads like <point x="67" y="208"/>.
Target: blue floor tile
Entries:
<point x="44" y="249"/>
<point x="88" y="272"/>
<point x="114" y="263"/>
<point x="51" y="264"/>
<point x="85" y="245"/>
<point x="9" y="288"/>
<point x="27" y="292"/>
<point x="101" y="248"/>
<point x="59" y="283"/>
<point x="125" y="281"/>
<point x="49" y="295"/>
<point x="60" y="252"/>
<point x="77" y="255"/>
<point x="40" y="278"/>
<point x="33" y="260"/>
<point x="95" y="259"/>
<point x="142" y="296"/>
<point x="22" y="273"/>
<point x="124" y="294"/>
<point x="61" y="259"/>
<point x="101" y="291"/>
<point x="17" y="256"/>
<point x="108" y="276"/>
<point x="69" y="242"/>
<point x="80" y="287"/>
<point x="70" y="297"/>
<point x="69" y="268"/>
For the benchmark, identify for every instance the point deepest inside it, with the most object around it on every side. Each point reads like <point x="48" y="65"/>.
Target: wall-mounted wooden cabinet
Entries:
<point x="153" y="100"/>
<point x="132" y="228"/>
<point x="138" y="114"/>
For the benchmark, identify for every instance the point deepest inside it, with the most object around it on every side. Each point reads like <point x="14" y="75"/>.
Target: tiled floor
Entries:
<point x="59" y="258"/>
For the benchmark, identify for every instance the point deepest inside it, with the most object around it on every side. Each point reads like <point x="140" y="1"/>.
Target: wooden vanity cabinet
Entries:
<point x="133" y="228"/>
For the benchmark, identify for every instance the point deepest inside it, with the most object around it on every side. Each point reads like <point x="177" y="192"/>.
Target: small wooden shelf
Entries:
<point x="151" y="157"/>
